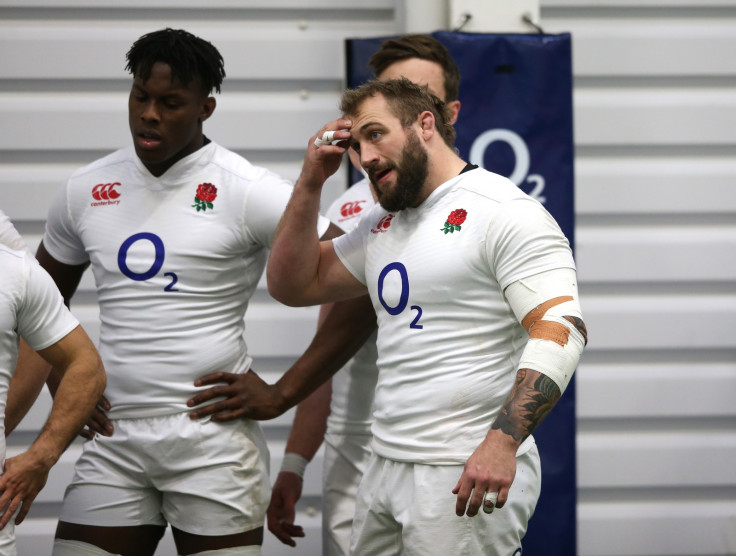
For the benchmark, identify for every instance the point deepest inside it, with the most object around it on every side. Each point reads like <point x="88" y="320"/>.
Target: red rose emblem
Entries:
<point x="456" y="218"/>
<point x="206" y="193"/>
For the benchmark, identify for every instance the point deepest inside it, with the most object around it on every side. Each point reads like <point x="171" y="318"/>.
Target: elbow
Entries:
<point x="278" y="290"/>
<point x="285" y="291"/>
<point x="282" y="295"/>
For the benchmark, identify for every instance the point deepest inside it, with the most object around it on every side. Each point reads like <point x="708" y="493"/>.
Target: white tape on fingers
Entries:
<point x="489" y="501"/>
<point x="328" y="138"/>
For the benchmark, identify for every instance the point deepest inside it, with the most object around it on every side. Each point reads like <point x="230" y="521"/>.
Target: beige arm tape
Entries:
<point x="541" y="303"/>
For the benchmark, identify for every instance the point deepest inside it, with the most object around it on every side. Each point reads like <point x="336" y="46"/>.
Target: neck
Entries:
<point x="443" y="166"/>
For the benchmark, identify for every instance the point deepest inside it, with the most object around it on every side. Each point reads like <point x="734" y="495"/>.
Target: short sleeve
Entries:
<point x="9" y="236"/>
<point x="43" y="319"/>
<point x="60" y="238"/>
<point x="350" y="249"/>
<point x="524" y="239"/>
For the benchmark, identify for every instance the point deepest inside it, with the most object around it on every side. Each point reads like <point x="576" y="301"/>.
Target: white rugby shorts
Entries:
<point x="346" y="456"/>
<point x="7" y="539"/>
<point x="408" y="509"/>
<point x="202" y="477"/>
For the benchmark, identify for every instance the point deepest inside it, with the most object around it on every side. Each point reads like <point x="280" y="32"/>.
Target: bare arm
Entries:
<point x="25" y="386"/>
<point x="302" y="270"/>
<point x="305" y="438"/>
<point x="346" y="327"/>
<point x="81" y="386"/>
<point x="234" y="387"/>
<point x="492" y="467"/>
<point x="32" y="371"/>
<point x="547" y="306"/>
<point x="67" y="278"/>
<point x="310" y="420"/>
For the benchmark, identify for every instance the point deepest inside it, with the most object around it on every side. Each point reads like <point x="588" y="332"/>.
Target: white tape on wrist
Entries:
<point x="294" y="463"/>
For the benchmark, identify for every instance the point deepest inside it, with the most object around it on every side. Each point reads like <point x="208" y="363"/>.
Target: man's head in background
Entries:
<point x="423" y="60"/>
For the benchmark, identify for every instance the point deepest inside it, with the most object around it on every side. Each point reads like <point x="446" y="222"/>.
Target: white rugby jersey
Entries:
<point x="30" y="306"/>
<point x="9" y="236"/>
<point x="354" y="384"/>
<point x="175" y="259"/>
<point x="448" y="342"/>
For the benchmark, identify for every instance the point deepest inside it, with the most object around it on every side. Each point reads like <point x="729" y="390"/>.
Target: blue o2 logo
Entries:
<point x="403" y="296"/>
<point x="158" y="262"/>
<point x="521" y="155"/>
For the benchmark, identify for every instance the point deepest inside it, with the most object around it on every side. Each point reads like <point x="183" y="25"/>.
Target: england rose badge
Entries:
<point x="206" y="193"/>
<point x="456" y="218"/>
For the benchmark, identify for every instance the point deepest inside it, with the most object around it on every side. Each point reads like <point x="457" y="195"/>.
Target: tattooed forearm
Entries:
<point x="580" y="325"/>
<point x="530" y="400"/>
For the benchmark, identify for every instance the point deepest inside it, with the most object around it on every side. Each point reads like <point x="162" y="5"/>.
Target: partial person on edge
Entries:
<point x="31" y="307"/>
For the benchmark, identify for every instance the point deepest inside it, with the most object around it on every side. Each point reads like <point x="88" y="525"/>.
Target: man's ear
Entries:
<point x="208" y="107"/>
<point x="454" y="108"/>
<point x="427" y="123"/>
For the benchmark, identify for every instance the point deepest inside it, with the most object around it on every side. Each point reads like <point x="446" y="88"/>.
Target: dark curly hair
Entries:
<point x="188" y="56"/>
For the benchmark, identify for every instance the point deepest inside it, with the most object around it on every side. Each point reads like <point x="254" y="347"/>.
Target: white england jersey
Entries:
<point x="448" y="341"/>
<point x="354" y="385"/>
<point x="175" y="259"/>
<point x="30" y="306"/>
<point x="9" y="236"/>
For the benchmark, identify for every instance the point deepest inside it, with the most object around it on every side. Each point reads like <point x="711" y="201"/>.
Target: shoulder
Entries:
<point x="497" y="194"/>
<point x="120" y="157"/>
<point x="15" y="264"/>
<point x="239" y="168"/>
<point x="488" y="185"/>
<point x="12" y="256"/>
<point x="108" y="169"/>
<point x="9" y="236"/>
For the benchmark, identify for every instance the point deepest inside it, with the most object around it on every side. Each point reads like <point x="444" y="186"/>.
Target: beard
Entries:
<point x="410" y="175"/>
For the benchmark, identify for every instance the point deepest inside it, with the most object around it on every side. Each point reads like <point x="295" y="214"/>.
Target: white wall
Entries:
<point x="655" y="114"/>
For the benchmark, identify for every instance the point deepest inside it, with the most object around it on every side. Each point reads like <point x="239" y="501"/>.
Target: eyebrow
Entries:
<point x="369" y="124"/>
<point x="171" y="95"/>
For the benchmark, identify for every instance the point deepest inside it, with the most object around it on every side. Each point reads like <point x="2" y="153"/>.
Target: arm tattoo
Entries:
<point x="531" y="399"/>
<point x="580" y="325"/>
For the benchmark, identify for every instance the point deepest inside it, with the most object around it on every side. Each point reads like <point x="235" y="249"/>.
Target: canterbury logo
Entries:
<point x="105" y="191"/>
<point x="383" y="224"/>
<point x="351" y="209"/>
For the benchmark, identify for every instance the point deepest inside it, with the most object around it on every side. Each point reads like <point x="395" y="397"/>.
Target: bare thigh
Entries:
<point x="188" y="543"/>
<point x="138" y="540"/>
